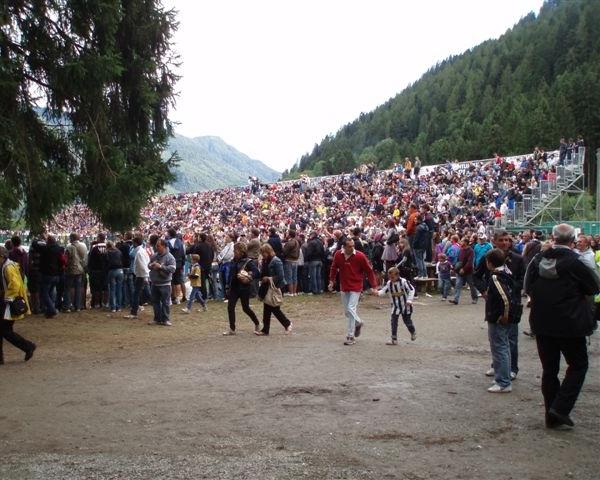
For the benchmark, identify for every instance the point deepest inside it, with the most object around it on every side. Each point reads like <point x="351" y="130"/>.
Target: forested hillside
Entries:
<point x="206" y="163"/>
<point x="536" y="83"/>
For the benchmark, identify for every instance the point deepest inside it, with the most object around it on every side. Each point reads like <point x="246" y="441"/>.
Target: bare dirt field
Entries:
<point x="111" y="398"/>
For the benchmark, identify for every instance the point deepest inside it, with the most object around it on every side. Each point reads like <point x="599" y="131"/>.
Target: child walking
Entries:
<point x="401" y="294"/>
<point x="443" y="268"/>
<point x="195" y="277"/>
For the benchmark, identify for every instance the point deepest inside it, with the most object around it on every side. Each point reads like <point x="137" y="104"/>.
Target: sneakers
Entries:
<point x="349" y="341"/>
<point x="513" y="375"/>
<point x="490" y="373"/>
<point x="152" y="322"/>
<point x="167" y="324"/>
<point x="413" y="336"/>
<point x="357" y="329"/>
<point x="204" y="309"/>
<point x="260" y="333"/>
<point x="393" y="341"/>
<point x="185" y="310"/>
<point x="495" y="388"/>
<point x="453" y="302"/>
<point x="443" y="299"/>
<point x="288" y="330"/>
<point x="229" y="333"/>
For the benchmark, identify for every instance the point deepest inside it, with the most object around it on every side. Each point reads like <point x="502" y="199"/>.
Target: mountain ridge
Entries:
<point x="208" y="162"/>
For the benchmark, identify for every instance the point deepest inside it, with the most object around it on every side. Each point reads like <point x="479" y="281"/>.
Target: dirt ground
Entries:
<point x="110" y="398"/>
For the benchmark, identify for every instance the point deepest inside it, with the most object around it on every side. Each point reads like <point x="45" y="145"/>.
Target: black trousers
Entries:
<point x="6" y="332"/>
<point x="244" y="298"/>
<point x="407" y="319"/>
<point x="279" y="315"/>
<point x="562" y="397"/>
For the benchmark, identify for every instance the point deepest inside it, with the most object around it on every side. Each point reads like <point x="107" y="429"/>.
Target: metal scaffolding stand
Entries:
<point x="546" y="201"/>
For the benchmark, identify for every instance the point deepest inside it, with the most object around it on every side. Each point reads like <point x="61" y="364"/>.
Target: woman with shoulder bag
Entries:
<point x="13" y="305"/>
<point x="243" y="271"/>
<point x="272" y="274"/>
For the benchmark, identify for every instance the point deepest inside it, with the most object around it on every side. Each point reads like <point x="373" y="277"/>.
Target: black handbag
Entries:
<point x="18" y="307"/>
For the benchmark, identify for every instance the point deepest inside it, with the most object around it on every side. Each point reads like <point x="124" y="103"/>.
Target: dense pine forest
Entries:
<point x="536" y="83"/>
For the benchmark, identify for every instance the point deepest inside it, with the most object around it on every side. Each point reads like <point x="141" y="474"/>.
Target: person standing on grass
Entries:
<point x="142" y="272"/>
<point x="464" y="272"/>
<point x="162" y="266"/>
<point x="12" y="287"/>
<point x="559" y="284"/>
<point x="401" y="294"/>
<point x="352" y="267"/>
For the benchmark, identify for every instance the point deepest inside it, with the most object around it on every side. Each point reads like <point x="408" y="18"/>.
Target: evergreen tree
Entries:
<point x="85" y="90"/>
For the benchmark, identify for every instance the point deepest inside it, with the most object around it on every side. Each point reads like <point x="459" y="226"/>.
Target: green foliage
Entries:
<point x="101" y="70"/>
<point x="536" y="83"/>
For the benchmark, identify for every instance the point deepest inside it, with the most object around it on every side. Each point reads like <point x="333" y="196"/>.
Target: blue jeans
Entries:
<point x="139" y="284"/>
<point x="73" y="285"/>
<point x="161" y="298"/>
<point x="216" y="282"/>
<point x="420" y="261"/>
<point x="290" y="270"/>
<point x="224" y="271"/>
<point x="500" y="346"/>
<point x="445" y="284"/>
<point x="115" y="288"/>
<point x="350" y="302"/>
<point x="461" y="280"/>
<point x="513" y="341"/>
<point x="48" y="293"/>
<point x="315" y="276"/>
<point x="196" y="294"/>
<point x="128" y="287"/>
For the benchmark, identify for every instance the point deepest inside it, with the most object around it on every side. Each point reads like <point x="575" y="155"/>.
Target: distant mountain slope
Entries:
<point x="208" y="163"/>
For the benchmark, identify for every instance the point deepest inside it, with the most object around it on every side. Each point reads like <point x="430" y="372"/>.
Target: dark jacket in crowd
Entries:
<point x="125" y="248"/>
<point x="498" y="302"/>
<point x="97" y="261"/>
<point x="114" y="259"/>
<point x="237" y="266"/>
<point x="275" y="242"/>
<point x="206" y="252"/>
<point x="314" y="250"/>
<point x="515" y="264"/>
<point x="558" y="283"/>
<point x="421" y="237"/>
<point x="52" y="260"/>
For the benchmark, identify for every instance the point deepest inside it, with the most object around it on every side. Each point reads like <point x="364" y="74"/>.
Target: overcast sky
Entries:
<point x="273" y="77"/>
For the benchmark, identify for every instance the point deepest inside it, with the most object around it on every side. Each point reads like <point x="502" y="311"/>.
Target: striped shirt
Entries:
<point x="400" y="293"/>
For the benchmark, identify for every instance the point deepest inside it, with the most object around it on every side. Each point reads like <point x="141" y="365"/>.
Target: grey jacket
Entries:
<point x="162" y="276"/>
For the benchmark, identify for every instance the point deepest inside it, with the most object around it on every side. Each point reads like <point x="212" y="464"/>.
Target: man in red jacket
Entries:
<point x="352" y="266"/>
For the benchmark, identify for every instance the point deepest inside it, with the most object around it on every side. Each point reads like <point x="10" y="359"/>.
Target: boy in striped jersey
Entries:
<point x="401" y="294"/>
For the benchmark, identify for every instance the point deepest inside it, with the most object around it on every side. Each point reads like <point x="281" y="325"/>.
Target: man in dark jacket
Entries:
<point x="207" y="255"/>
<point x="464" y="271"/>
<point x="558" y="282"/>
<point x="315" y="251"/>
<point x="52" y="264"/>
<point x="420" y="241"/>
<point x="275" y="242"/>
